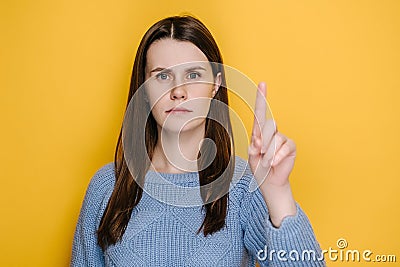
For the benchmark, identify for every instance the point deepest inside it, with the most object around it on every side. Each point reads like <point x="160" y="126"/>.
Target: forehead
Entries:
<point x="168" y="52"/>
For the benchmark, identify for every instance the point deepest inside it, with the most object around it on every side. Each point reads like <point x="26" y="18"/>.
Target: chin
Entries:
<point x="182" y="127"/>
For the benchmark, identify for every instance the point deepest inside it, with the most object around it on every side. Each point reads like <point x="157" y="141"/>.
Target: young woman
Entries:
<point x="176" y="150"/>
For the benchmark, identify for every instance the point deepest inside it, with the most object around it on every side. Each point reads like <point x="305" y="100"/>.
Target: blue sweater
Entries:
<point x="161" y="234"/>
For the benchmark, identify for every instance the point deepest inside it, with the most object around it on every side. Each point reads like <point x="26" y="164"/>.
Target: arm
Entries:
<point x="292" y="244"/>
<point x="85" y="251"/>
<point x="271" y="160"/>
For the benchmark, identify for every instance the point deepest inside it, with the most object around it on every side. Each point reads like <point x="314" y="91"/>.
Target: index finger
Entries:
<point x="260" y="109"/>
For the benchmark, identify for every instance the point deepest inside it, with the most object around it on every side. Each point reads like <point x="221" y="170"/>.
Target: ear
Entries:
<point x="217" y="84"/>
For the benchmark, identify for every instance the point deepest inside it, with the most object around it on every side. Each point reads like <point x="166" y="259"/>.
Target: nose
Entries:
<point x="178" y="93"/>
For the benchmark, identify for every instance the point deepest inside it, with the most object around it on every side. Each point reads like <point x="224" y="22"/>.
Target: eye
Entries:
<point x="193" y="75"/>
<point x="162" y="76"/>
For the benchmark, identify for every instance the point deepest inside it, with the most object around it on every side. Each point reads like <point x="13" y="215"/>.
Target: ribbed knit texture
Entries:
<point x="161" y="234"/>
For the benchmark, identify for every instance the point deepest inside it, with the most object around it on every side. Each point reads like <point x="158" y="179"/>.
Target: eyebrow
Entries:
<point x="158" y="69"/>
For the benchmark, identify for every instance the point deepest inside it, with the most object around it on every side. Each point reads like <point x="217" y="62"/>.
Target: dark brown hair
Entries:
<point x="127" y="190"/>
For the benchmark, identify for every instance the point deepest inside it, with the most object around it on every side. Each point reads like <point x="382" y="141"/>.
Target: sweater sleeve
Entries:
<point x="292" y="244"/>
<point x="85" y="250"/>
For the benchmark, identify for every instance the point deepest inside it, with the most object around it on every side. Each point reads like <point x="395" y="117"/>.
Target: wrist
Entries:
<point x="280" y="202"/>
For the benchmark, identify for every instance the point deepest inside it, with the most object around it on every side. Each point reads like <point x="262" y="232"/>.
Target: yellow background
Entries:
<point x="332" y="69"/>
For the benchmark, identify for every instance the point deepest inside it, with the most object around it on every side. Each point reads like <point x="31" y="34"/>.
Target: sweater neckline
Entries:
<point x="182" y="179"/>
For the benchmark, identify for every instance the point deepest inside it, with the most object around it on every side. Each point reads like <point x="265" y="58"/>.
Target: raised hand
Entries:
<point x="271" y="159"/>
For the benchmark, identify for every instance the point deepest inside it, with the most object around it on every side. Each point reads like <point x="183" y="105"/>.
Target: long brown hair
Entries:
<point x="127" y="189"/>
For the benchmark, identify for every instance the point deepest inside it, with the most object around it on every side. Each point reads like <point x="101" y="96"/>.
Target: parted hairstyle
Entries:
<point x="128" y="189"/>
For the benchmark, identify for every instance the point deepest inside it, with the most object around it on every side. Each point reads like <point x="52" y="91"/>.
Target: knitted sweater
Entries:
<point x="164" y="234"/>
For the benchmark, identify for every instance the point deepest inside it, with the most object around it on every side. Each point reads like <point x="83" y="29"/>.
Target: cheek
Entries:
<point x="155" y="98"/>
<point x="156" y="109"/>
<point x="201" y="96"/>
<point x="202" y="90"/>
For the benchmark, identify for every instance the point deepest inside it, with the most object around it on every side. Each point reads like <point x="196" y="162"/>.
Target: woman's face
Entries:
<point x="179" y="85"/>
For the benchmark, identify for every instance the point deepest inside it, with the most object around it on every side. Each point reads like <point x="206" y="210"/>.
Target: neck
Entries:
<point x="177" y="152"/>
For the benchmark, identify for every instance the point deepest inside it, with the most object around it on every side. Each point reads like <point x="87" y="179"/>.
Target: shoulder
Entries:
<point x="85" y="250"/>
<point x="99" y="190"/>
<point x="243" y="181"/>
<point x="242" y="175"/>
<point x="103" y="179"/>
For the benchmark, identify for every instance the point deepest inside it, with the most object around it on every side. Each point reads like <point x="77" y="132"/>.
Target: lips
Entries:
<point x="178" y="110"/>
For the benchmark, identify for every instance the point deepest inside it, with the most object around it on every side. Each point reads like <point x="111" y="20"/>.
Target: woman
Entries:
<point x="131" y="217"/>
